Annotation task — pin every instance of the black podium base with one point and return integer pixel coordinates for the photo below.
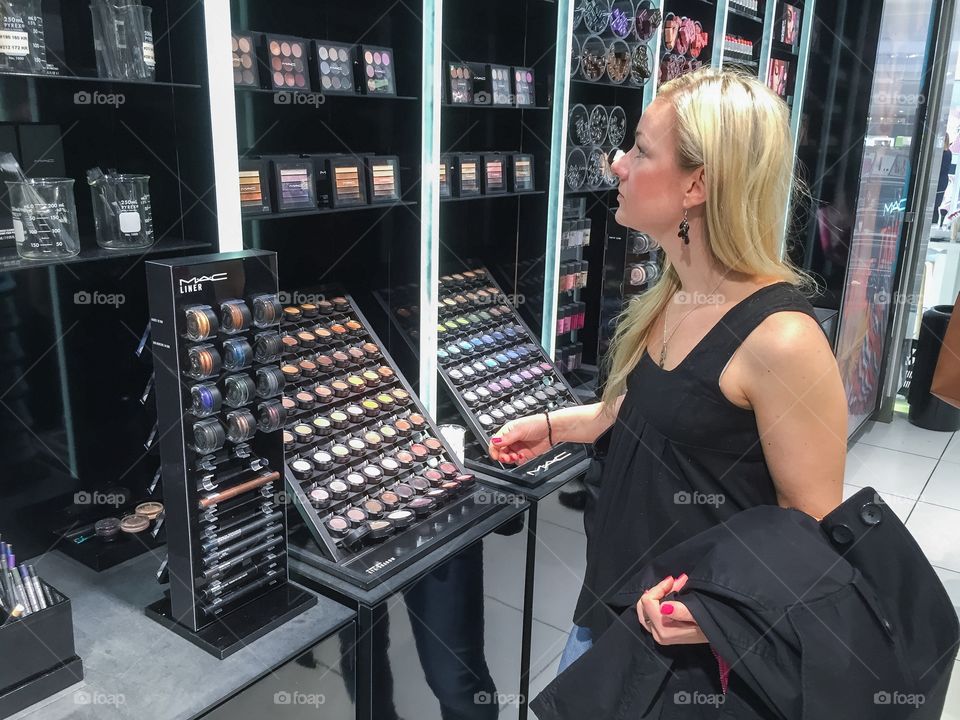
(235, 630)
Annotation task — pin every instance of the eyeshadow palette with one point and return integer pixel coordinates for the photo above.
(500, 87)
(521, 172)
(383, 178)
(372, 477)
(460, 82)
(523, 90)
(216, 340)
(334, 66)
(493, 369)
(246, 70)
(467, 175)
(446, 176)
(294, 185)
(347, 181)
(377, 64)
(494, 173)
(254, 187)
(286, 58)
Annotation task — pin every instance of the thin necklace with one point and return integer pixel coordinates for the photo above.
(666, 310)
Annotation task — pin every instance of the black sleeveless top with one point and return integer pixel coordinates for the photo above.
(682, 457)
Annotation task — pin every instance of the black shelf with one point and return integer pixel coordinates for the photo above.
(737, 61)
(326, 96)
(328, 211)
(9, 260)
(494, 195)
(745, 15)
(99, 80)
(495, 107)
(601, 83)
(783, 51)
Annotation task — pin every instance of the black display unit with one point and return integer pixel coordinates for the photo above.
(493, 370)
(375, 483)
(216, 345)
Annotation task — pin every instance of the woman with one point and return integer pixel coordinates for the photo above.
(723, 392)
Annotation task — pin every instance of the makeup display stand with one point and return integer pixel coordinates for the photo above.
(216, 346)
(493, 369)
(376, 484)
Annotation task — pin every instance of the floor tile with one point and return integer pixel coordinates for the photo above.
(937, 530)
(900, 505)
(901, 435)
(553, 512)
(888, 471)
(952, 453)
(944, 486)
(561, 563)
(951, 581)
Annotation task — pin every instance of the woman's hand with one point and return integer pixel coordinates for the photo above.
(520, 440)
(670, 623)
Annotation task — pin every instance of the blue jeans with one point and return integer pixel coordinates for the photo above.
(578, 643)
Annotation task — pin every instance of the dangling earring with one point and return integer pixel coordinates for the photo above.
(684, 229)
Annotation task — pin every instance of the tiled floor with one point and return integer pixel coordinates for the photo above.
(916, 471)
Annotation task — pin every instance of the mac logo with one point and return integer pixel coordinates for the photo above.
(195, 284)
(544, 466)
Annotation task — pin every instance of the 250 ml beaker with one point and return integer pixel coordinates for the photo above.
(121, 211)
(44, 218)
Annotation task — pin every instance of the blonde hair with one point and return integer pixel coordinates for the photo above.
(738, 131)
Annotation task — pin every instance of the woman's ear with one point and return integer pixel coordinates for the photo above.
(696, 193)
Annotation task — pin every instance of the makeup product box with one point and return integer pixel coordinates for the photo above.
(246, 65)
(254, 186)
(41, 150)
(523, 86)
(377, 70)
(334, 67)
(293, 184)
(500, 85)
(285, 58)
(321, 176)
(481, 87)
(383, 178)
(466, 175)
(347, 179)
(446, 176)
(40, 658)
(460, 83)
(521, 172)
(494, 173)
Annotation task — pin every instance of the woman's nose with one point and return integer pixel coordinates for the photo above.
(618, 165)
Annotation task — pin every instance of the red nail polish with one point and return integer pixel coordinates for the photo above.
(666, 609)
(497, 441)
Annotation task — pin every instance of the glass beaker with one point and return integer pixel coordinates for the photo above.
(137, 20)
(44, 218)
(121, 211)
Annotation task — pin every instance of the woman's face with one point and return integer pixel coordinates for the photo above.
(652, 183)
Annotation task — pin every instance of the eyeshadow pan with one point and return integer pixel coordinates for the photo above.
(295, 188)
(383, 176)
(333, 65)
(244, 61)
(494, 177)
(347, 183)
(287, 59)
(377, 66)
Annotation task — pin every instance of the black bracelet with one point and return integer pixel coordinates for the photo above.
(549, 429)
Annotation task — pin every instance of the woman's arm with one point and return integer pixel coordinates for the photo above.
(791, 380)
(525, 438)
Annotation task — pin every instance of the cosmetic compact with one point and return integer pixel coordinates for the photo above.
(500, 85)
(467, 175)
(107, 529)
(334, 67)
(377, 73)
(494, 173)
(347, 181)
(254, 187)
(460, 83)
(523, 89)
(446, 175)
(246, 69)
(293, 185)
(286, 62)
(521, 172)
(383, 178)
